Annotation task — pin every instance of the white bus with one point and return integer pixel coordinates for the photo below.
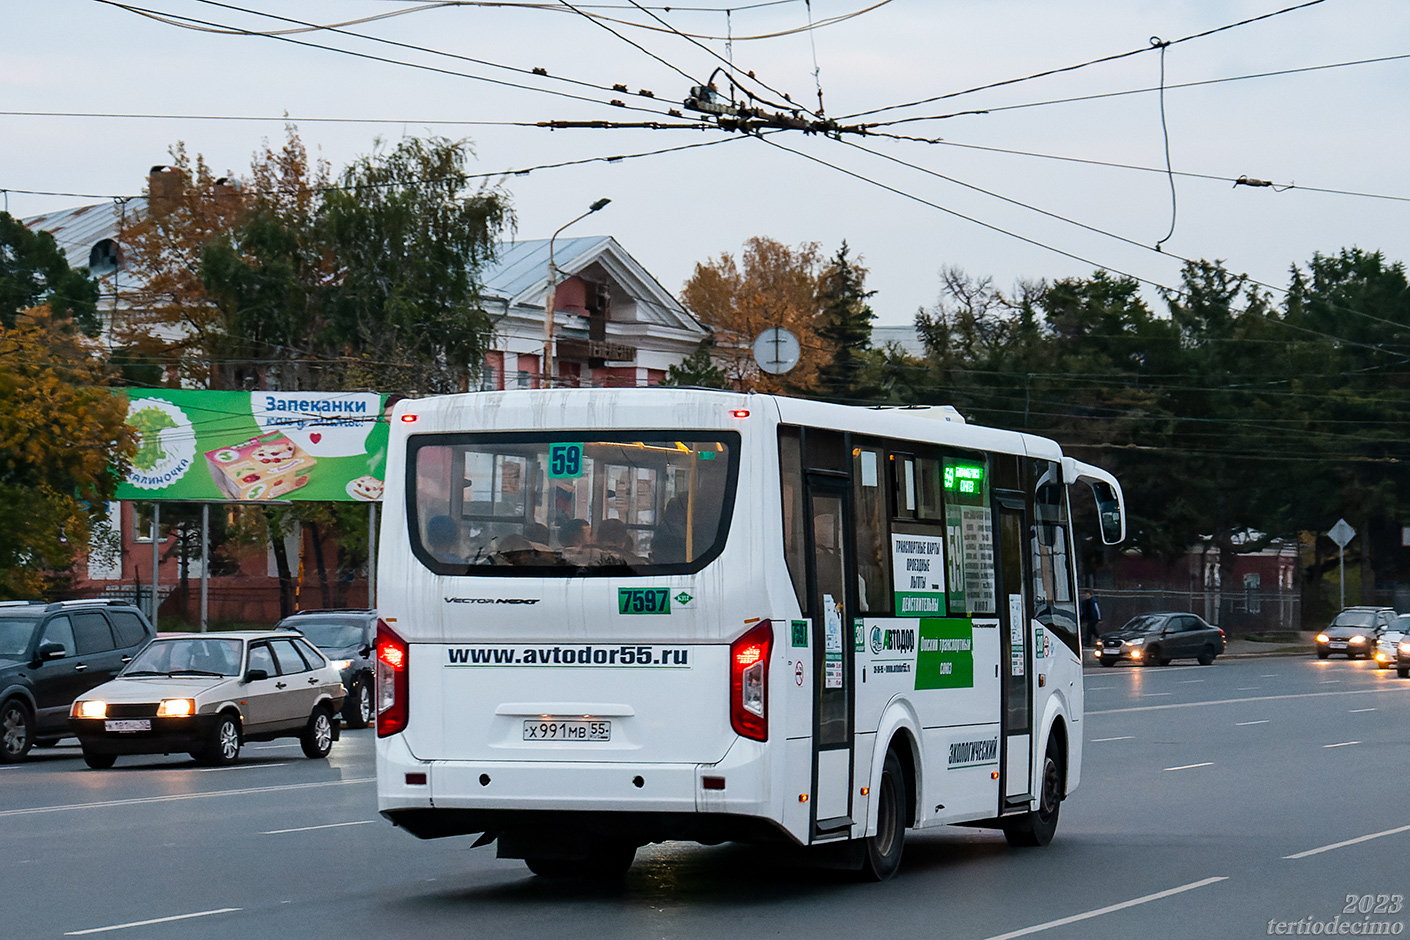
(612, 617)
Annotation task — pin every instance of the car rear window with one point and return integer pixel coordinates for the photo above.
(290, 659)
(130, 629)
(315, 659)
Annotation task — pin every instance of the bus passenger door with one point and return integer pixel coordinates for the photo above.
(1016, 656)
(832, 655)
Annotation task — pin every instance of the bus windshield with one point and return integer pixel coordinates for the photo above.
(560, 504)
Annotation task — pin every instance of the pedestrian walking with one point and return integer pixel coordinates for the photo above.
(1091, 616)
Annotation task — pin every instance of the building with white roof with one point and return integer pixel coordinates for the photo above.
(614, 323)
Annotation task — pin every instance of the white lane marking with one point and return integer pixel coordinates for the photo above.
(1270, 675)
(1342, 845)
(1331, 681)
(156, 920)
(1190, 681)
(1208, 763)
(1248, 688)
(211, 770)
(269, 747)
(1075, 918)
(1124, 737)
(280, 832)
(1357, 711)
(1342, 744)
(1155, 694)
(103, 804)
(1251, 698)
(1261, 721)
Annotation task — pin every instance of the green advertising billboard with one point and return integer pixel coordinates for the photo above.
(256, 446)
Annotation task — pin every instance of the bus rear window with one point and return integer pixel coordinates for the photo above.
(570, 503)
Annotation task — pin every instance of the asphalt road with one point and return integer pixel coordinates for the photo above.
(1218, 802)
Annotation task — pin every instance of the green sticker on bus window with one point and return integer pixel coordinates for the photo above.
(800, 633)
(707, 455)
(565, 461)
(643, 601)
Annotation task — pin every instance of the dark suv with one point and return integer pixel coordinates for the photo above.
(346, 637)
(50, 654)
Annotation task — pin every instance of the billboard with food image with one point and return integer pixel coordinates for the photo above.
(256, 446)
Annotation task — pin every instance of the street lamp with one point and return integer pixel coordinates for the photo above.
(552, 300)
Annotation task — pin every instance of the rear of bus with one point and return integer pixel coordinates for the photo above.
(572, 654)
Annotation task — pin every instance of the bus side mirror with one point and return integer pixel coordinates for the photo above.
(1111, 509)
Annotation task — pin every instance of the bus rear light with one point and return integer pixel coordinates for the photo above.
(740, 413)
(748, 682)
(409, 419)
(393, 681)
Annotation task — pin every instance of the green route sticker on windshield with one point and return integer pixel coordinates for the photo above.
(644, 600)
(565, 461)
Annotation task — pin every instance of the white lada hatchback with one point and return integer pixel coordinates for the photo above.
(207, 694)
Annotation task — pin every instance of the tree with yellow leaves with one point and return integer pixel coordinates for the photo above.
(64, 445)
(775, 285)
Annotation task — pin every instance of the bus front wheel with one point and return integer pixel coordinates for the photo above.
(883, 850)
(1038, 826)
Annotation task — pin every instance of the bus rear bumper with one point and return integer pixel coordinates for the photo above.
(727, 801)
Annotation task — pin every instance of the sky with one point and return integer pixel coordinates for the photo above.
(992, 197)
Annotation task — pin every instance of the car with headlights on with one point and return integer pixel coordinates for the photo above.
(1354, 632)
(1156, 638)
(1388, 643)
(208, 694)
(52, 653)
(346, 638)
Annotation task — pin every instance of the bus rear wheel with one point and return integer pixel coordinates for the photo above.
(883, 850)
(1038, 826)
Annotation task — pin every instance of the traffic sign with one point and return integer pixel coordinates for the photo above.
(1342, 533)
(776, 350)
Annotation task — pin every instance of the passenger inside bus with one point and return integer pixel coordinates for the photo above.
(573, 536)
(668, 545)
(614, 544)
(443, 540)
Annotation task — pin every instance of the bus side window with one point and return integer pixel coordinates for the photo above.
(1053, 597)
(969, 534)
(873, 553)
(790, 462)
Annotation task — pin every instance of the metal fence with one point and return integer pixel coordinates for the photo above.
(1238, 613)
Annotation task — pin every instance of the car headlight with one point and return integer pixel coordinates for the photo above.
(1357, 639)
(1405, 648)
(340, 664)
(1138, 641)
(1323, 638)
(176, 708)
(89, 709)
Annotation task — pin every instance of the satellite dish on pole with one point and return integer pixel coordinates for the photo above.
(776, 350)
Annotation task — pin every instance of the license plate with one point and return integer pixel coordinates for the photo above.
(568, 729)
(128, 724)
(1337, 645)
